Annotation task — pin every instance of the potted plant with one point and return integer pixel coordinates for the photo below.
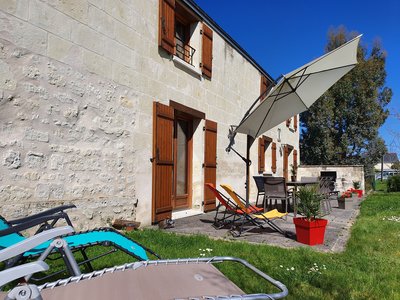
(342, 199)
(293, 172)
(310, 229)
(356, 189)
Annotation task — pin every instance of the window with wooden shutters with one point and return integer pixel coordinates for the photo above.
(261, 155)
(263, 144)
(210, 163)
(286, 162)
(273, 162)
(264, 86)
(295, 122)
(163, 161)
(166, 30)
(206, 60)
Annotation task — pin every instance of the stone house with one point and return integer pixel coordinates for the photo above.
(123, 108)
(388, 160)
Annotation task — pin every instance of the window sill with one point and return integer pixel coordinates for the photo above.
(186, 66)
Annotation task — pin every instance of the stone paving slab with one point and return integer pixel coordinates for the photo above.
(336, 235)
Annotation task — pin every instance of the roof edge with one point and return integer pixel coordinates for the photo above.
(210, 22)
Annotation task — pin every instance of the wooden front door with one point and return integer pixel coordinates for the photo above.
(163, 161)
(210, 163)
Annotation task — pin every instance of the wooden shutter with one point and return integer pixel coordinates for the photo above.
(286, 162)
(263, 86)
(163, 161)
(288, 123)
(206, 65)
(210, 163)
(295, 159)
(273, 163)
(261, 155)
(295, 122)
(166, 28)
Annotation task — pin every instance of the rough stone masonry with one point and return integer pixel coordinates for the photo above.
(66, 136)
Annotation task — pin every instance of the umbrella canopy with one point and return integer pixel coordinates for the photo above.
(296, 91)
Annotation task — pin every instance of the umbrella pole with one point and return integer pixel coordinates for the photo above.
(250, 141)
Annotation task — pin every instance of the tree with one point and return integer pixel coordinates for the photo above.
(342, 126)
(396, 165)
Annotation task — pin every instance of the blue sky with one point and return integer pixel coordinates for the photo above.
(283, 35)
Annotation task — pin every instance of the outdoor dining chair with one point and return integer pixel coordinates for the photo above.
(309, 179)
(188, 278)
(276, 190)
(259, 180)
(326, 189)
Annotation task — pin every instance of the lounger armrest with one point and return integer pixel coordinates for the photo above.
(33, 242)
(51, 211)
(14, 273)
(32, 223)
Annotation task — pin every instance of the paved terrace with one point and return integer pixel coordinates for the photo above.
(336, 235)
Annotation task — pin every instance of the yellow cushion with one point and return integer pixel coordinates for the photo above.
(272, 214)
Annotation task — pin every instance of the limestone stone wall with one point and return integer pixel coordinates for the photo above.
(77, 83)
(346, 175)
(66, 136)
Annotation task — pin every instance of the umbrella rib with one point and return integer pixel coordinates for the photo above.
(259, 128)
(298, 96)
(301, 76)
(325, 70)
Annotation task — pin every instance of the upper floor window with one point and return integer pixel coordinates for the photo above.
(184, 29)
(183, 35)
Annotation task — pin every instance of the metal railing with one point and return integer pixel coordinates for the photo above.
(184, 52)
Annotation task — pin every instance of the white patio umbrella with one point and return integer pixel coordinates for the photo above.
(294, 93)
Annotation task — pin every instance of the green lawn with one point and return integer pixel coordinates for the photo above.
(368, 269)
(381, 186)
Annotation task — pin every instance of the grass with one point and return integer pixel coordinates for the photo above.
(381, 186)
(369, 268)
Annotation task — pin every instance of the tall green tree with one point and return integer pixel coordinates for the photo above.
(342, 126)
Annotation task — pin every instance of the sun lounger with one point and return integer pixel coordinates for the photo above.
(78, 241)
(241, 221)
(195, 278)
(239, 200)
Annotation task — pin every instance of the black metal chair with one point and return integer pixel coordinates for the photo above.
(260, 187)
(326, 189)
(307, 179)
(275, 189)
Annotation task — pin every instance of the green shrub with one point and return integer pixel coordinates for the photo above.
(309, 204)
(393, 184)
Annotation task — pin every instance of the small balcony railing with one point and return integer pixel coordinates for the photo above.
(183, 51)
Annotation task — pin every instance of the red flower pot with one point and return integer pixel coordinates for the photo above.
(310, 232)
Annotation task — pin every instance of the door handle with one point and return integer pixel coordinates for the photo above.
(156, 158)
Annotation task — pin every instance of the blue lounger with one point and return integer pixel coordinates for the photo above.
(78, 241)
